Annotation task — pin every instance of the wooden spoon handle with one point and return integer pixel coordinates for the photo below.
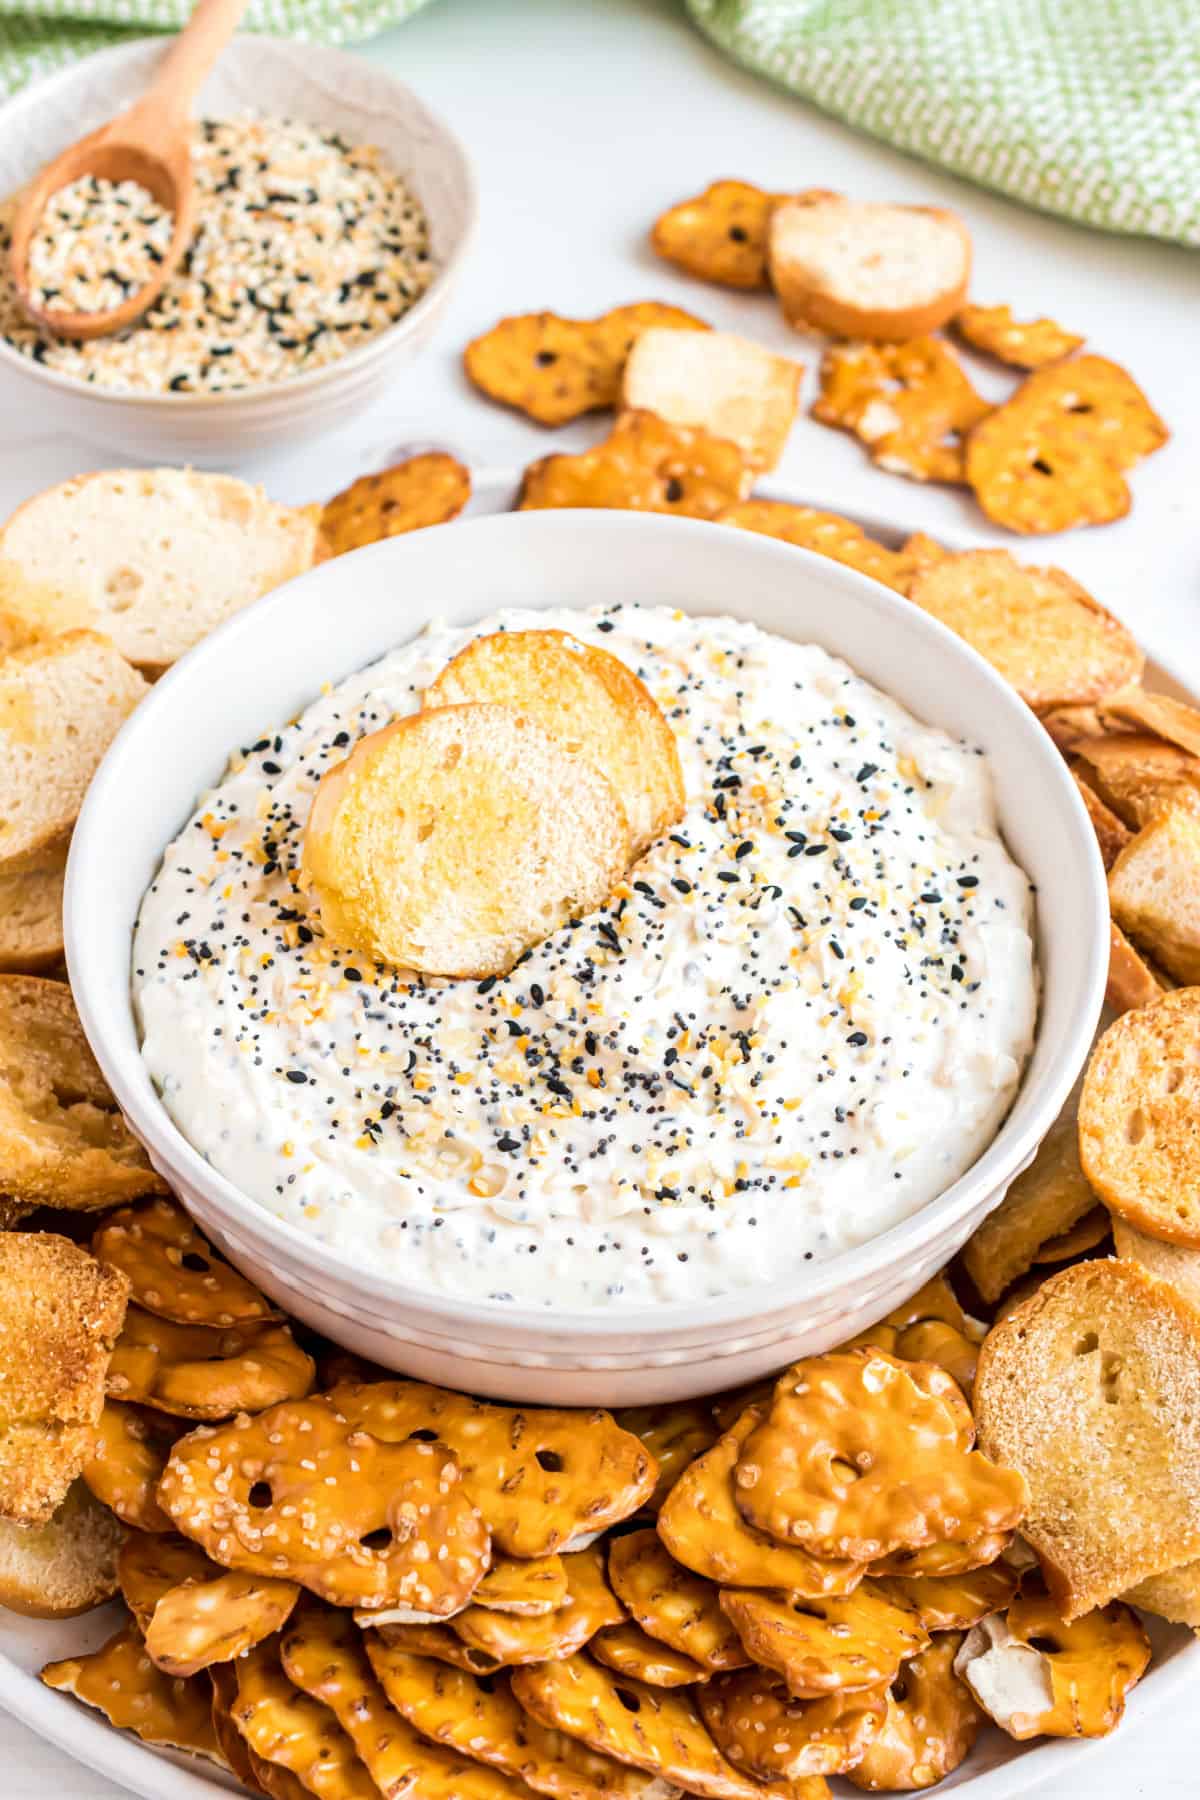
(188, 61)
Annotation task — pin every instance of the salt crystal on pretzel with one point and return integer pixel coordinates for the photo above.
(285, 1727)
(672, 1603)
(655, 1729)
(628, 1650)
(1037, 1676)
(206, 1622)
(150, 1565)
(482, 1720)
(544, 1479)
(510, 1638)
(298, 1492)
(120, 1681)
(930, 1727)
(198, 1373)
(702, 1528)
(128, 1457)
(825, 1646)
(173, 1271)
(527, 1588)
(765, 1730)
(324, 1656)
(862, 1455)
(675, 1434)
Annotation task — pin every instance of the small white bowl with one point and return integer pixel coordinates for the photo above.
(260, 75)
(269, 660)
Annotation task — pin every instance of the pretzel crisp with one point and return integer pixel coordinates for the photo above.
(326, 1659)
(426, 490)
(554, 369)
(1031, 344)
(672, 1603)
(952, 1557)
(911, 404)
(298, 1491)
(953, 1602)
(196, 1373)
(128, 1457)
(527, 1589)
(862, 1455)
(929, 1327)
(629, 1650)
(644, 465)
(120, 1681)
(1037, 1676)
(931, 1724)
(769, 1733)
(543, 1479)
(675, 1435)
(481, 1720)
(437, 1642)
(511, 1638)
(702, 1528)
(174, 1272)
(284, 1727)
(826, 533)
(208, 1622)
(230, 1742)
(719, 235)
(826, 1646)
(1052, 457)
(150, 1566)
(653, 1728)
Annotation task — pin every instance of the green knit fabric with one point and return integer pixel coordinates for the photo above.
(1086, 108)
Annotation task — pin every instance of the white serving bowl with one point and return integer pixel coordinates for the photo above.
(269, 660)
(262, 75)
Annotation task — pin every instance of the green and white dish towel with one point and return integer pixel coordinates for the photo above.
(1085, 108)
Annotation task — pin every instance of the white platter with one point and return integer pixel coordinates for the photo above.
(998, 1769)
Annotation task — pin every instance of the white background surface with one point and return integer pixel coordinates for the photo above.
(587, 119)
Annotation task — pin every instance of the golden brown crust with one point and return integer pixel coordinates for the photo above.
(1043, 1201)
(1139, 776)
(1131, 980)
(1153, 889)
(807, 300)
(65, 1567)
(60, 1313)
(1111, 835)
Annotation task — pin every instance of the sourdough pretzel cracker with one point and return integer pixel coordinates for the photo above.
(149, 1566)
(930, 1726)
(120, 1681)
(327, 1659)
(1036, 1676)
(826, 1646)
(197, 1373)
(230, 1742)
(911, 404)
(861, 1455)
(482, 1720)
(555, 369)
(765, 1730)
(674, 1434)
(284, 1727)
(644, 465)
(1053, 456)
(510, 1638)
(174, 1272)
(952, 1602)
(950, 1557)
(1023, 344)
(437, 1642)
(702, 1528)
(426, 490)
(206, 1622)
(719, 235)
(128, 1457)
(672, 1603)
(628, 1650)
(528, 1589)
(655, 1729)
(543, 1478)
(298, 1491)
(826, 533)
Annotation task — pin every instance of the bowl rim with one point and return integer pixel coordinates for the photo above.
(312, 380)
(1004, 1157)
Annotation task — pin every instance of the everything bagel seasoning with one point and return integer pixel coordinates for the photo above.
(305, 247)
(802, 1015)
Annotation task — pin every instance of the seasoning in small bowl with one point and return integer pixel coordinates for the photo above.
(306, 246)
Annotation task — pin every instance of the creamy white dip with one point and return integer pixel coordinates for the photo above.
(802, 1017)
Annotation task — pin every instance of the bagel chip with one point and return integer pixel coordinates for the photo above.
(456, 838)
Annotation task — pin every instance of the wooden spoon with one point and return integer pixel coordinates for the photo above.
(149, 144)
